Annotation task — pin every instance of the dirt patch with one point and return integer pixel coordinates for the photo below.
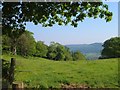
(74, 86)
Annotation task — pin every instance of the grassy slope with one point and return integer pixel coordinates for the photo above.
(39, 72)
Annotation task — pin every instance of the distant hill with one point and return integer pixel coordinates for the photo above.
(91, 51)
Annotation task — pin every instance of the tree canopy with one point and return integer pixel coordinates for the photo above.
(41, 49)
(111, 48)
(78, 56)
(57, 51)
(16, 14)
(26, 44)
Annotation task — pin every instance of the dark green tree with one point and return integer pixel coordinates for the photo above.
(6, 44)
(60, 55)
(57, 51)
(68, 54)
(41, 49)
(111, 48)
(10, 41)
(52, 51)
(26, 44)
(78, 56)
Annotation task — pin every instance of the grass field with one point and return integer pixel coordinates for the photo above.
(43, 73)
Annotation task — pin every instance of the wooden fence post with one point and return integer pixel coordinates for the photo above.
(12, 69)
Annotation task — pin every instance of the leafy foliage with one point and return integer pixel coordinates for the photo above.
(68, 54)
(26, 44)
(111, 48)
(56, 51)
(41, 49)
(15, 15)
(6, 44)
(78, 56)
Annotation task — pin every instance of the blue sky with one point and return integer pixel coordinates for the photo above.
(89, 31)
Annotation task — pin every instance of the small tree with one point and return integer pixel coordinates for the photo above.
(68, 54)
(52, 51)
(78, 56)
(111, 48)
(41, 49)
(60, 55)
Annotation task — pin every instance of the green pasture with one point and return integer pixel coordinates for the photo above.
(43, 73)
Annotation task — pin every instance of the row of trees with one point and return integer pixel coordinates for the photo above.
(14, 19)
(26, 45)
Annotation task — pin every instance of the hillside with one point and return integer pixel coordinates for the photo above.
(43, 73)
(91, 51)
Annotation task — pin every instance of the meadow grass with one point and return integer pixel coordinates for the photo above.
(44, 73)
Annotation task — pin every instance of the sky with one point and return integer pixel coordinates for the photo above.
(89, 31)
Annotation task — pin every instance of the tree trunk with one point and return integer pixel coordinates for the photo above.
(14, 50)
(14, 46)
